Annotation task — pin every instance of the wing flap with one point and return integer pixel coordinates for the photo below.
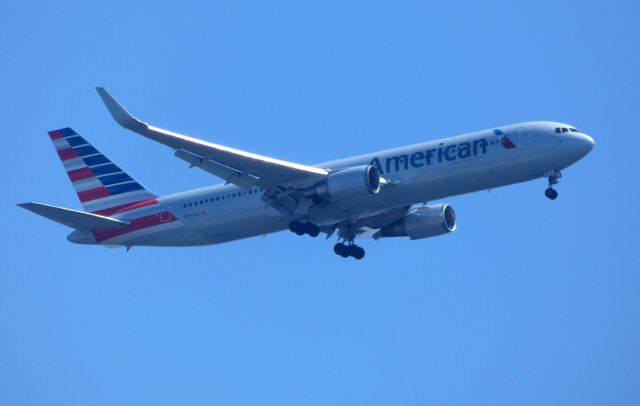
(229, 175)
(79, 220)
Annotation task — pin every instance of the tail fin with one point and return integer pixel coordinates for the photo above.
(102, 187)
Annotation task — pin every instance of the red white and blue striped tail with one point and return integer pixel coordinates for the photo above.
(103, 188)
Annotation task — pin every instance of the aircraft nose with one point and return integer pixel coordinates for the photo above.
(578, 143)
(586, 143)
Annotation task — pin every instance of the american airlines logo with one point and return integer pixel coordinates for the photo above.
(432, 156)
(451, 152)
(507, 143)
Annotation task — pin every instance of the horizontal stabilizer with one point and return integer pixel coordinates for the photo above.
(73, 218)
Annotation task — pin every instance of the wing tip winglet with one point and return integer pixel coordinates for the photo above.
(119, 113)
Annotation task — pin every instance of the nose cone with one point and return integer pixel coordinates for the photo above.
(577, 144)
(585, 143)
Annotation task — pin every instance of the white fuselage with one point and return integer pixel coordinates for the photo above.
(418, 173)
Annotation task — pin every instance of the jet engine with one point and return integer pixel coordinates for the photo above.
(349, 183)
(422, 222)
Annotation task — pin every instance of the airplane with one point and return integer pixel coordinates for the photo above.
(381, 195)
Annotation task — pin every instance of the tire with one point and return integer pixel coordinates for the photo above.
(295, 227)
(357, 252)
(312, 229)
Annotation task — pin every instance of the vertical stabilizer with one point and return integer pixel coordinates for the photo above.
(102, 187)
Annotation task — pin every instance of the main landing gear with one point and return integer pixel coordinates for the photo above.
(344, 249)
(554, 178)
(347, 233)
(348, 250)
(301, 228)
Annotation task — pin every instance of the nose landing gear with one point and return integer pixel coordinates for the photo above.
(553, 179)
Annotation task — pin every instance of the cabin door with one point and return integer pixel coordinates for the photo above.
(525, 138)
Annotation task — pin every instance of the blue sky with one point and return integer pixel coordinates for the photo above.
(529, 302)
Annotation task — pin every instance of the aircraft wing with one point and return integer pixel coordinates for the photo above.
(242, 168)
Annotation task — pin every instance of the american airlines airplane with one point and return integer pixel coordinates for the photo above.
(382, 194)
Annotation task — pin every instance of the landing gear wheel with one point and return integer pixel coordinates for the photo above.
(312, 229)
(304, 228)
(553, 179)
(348, 250)
(341, 249)
(347, 235)
(551, 193)
(357, 252)
(296, 227)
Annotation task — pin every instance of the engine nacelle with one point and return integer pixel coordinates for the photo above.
(350, 183)
(422, 222)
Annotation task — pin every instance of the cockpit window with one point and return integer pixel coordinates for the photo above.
(566, 130)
